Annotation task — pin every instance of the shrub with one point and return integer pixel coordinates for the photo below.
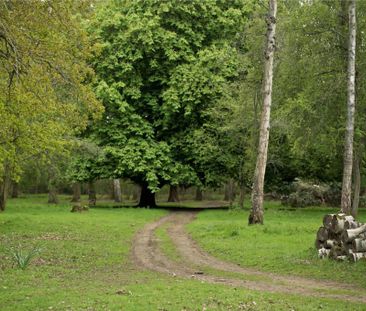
(309, 194)
(22, 258)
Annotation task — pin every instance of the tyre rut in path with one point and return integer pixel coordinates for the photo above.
(147, 254)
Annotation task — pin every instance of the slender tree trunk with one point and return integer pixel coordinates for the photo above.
(256, 215)
(173, 194)
(117, 191)
(147, 198)
(52, 189)
(241, 196)
(227, 194)
(348, 145)
(92, 193)
(76, 192)
(182, 192)
(357, 186)
(15, 190)
(199, 194)
(230, 191)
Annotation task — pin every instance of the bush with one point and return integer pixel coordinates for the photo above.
(333, 194)
(309, 194)
(22, 258)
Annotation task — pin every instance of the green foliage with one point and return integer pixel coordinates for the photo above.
(160, 66)
(307, 193)
(45, 92)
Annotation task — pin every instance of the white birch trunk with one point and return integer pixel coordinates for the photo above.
(256, 215)
(348, 146)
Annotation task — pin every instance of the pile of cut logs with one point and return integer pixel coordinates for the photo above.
(341, 237)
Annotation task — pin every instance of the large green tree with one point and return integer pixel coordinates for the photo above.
(44, 94)
(161, 65)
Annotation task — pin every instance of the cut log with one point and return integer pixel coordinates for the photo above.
(351, 224)
(323, 253)
(337, 223)
(358, 256)
(337, 251)
(322, 234)
(351, 234)
(346, 239)
(331, 243)
(327, 221)
(359, 245)
(348, 247)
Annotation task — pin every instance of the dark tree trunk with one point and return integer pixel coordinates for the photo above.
(227, 192)
(117, 194)
(147, 198)
(199, 194)
(173, 194)
(92, 193)
(4, 188)
(15, 190)
(242, 197)
(182, 192)
(231, 191)
(76, 192)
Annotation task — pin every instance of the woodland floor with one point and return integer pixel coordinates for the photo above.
(153, 259)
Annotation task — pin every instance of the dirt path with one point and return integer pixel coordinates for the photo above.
(147, 254)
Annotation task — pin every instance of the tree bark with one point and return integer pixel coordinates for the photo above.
(52, 189)
(117, 191)
(348, 145)
(173, 194)
(15, 190)
(76, 192)
(92, 193)
(227, 192)
(199, 194)
(4, 188)
(242, 196)
(359, 245)
(357, 186)
(256, 215)
(230, 191)
(351, 234)
(147, 197)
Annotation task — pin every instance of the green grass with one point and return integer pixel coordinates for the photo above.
(85, 265)
(285, 244)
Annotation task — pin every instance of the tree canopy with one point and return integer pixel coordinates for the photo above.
(160, 66)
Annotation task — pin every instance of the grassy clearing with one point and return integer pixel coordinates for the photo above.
(285, 244)
(84, 265)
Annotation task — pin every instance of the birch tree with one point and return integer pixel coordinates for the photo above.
(256, 215)
(348, 145)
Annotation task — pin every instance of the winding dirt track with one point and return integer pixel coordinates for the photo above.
(147, 254)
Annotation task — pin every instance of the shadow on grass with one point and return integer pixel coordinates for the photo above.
(179, 206)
